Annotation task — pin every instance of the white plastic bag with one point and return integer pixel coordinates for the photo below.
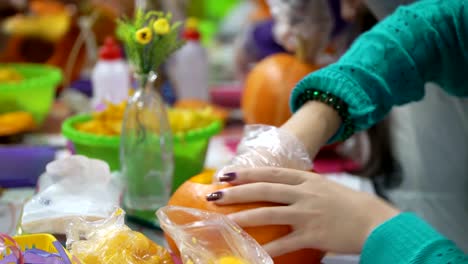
(71, 187)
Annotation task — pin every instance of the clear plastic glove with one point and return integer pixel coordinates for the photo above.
(302, 20)
(323, 214)
(268, 146)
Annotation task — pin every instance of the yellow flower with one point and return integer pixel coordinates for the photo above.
(161, 26)
(144, 35)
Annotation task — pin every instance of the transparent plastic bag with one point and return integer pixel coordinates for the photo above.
(111, 241)
(205, 237)
(71, 187)
(268, 146)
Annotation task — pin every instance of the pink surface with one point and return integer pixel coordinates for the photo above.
(176, 259)
(227, 95)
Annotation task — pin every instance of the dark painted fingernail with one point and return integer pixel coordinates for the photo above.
(227, 177)
(214, 196)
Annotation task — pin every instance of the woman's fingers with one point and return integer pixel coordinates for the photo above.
(264, 216)
(256, 192)
(286, 244)
(265, 174)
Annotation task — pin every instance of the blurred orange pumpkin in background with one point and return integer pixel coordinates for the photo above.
(46, 35)
(50, 33)
(268, 86)
(261, 12)
(192, 194)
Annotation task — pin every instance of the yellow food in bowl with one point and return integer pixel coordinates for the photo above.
(8, 75)
(109, 121)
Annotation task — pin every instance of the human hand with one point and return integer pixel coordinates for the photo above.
(323, 214)
(268, 146)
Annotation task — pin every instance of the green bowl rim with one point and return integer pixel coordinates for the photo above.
(76, 136)
(47, 75)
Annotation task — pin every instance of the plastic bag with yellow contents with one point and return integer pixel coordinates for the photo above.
(209, 238)
(111, 241)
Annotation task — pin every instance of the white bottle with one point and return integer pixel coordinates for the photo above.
(110, 77)
(189, 69)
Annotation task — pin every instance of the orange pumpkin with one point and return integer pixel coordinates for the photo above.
(261, 12)
(24, 48)
(192, 194)
(268, 86)
(32, 48)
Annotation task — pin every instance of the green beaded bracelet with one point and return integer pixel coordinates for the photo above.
(339, 105)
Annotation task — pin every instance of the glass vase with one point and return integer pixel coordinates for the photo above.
(146, 151)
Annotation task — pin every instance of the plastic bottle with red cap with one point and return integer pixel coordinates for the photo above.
(110, 77)
(189, 66)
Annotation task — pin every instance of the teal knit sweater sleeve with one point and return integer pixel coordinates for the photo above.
(406, 239)
(389, 65)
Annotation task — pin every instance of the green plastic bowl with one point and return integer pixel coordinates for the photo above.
(34, 94)
(189, 148)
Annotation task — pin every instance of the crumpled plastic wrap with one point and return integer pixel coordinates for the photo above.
(268, 146)
(209, 238)
(72, 187)
(307, 21)
(111, 241)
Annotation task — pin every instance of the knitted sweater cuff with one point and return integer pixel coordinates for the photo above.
(402, 239)
(341, 85)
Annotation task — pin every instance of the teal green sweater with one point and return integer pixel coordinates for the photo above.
(406, 239)
(388, 66)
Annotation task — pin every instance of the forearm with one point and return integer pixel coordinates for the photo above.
(314, 124)
(390, 64)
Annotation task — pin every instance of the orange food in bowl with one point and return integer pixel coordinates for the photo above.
(15, 122)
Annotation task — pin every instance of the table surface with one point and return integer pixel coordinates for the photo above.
(220, 151)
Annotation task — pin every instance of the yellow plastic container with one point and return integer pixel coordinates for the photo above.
(38, 241)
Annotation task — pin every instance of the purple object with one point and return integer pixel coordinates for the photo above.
(62, 252)
(84, 86)
(340, 24)
(71, 147)
(176, 259)
(262, 42)
(9, 259)
(21, 166)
